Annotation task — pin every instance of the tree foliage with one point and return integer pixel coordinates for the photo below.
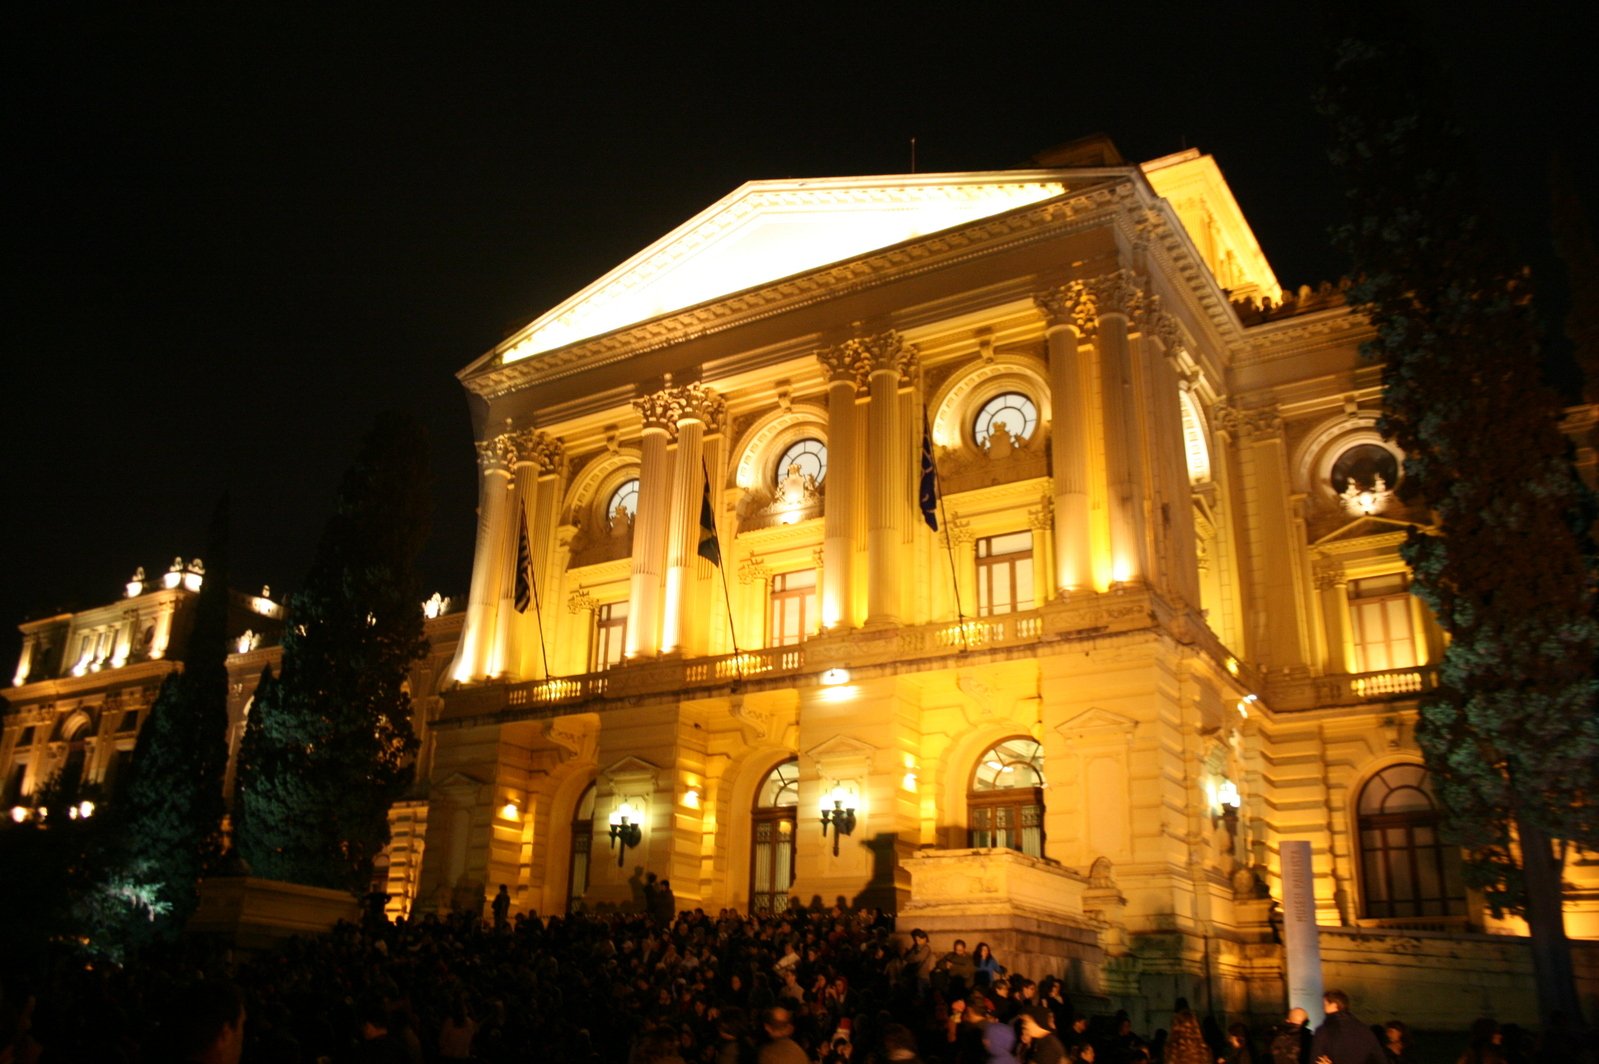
(1511, 734)
(168, 819)
(329, 742)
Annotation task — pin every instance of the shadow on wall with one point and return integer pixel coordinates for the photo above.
(880, 891)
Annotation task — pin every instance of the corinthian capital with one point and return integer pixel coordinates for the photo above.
(1117, 292)
(497, 454)
(677, 403)
(882, 352)
(1071, 305)
(845, 362)
(542, 450)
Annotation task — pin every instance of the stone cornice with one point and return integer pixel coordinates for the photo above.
(1042, 221)
(1290, 337)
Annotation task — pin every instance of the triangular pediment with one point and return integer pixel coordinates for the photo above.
(1096, 720)
(1361, 531)
(768, 230)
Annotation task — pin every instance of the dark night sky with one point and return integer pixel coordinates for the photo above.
(234, 235)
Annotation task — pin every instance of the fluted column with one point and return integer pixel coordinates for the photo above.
(650, 524)
(477, 633)
(697, 410)
(888, 473)
(540, 464)
(1115, 297)
(1068, 312)
(845, 369)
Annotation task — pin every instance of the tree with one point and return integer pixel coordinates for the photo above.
(168, 820)
(328, 746)
(1511, 735)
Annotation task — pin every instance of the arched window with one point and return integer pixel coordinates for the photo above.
(623, 500)
(1406, 870)
(1005, 806)
(772, 838)
(582, 839)
(1012, 410)
(809, 454)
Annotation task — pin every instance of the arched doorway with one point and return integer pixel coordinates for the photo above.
(772, 838)
(1406, 869)
(577, 875)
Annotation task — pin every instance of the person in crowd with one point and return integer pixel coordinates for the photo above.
(1040, 1044)
(985, 967)
(957, 968)
(1396, 1041)
(1236, 1050)
(1290, 1040)
(205, 1024)
(779, 1046)
(1342, 1039)
(1486, 1045)
(1185, 1044)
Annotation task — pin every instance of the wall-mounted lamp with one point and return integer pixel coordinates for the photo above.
(625, 830)
(840, 818)
(1227, 802)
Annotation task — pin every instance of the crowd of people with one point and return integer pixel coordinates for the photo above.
(806, 986)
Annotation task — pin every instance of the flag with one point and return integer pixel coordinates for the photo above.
(524, 568)
(928, 495)
(709, 548)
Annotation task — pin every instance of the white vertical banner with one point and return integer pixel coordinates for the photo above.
(1301, 947)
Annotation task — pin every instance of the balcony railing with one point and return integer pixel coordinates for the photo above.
(1310, 692)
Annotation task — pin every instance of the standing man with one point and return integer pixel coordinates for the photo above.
(1290, 1040)
(1343, 1039)
(502, 909)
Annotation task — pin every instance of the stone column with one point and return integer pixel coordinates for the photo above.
(1333, 583)
(888, 474)
(1115, 298)
(696, 410)
(650, 524)
(1068, 312)
(540, 465)
(845, 368)
(482, 604)
(1163, 345)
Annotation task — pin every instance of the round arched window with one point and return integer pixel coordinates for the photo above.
(772, 838)
(1010, 412)
(1005, 806)
(1406, 867)
(805, 458)
(623, 500)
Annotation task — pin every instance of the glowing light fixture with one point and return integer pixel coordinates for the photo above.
(691, 798)
(839, 817)
(509, 811)
(1244, 703)
(19, 813)
(834, 677)
(625, 830)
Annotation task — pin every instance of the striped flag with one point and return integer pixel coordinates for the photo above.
(927, 497)
(524, 568)
(710, 549)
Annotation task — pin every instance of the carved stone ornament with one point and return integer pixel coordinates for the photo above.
(677, 403)
(1246, 423)
(845, 362)
(520, 446)
(580, 601)
(752, 569)
(1070, 304)
(1117, 292)
(1330, 576)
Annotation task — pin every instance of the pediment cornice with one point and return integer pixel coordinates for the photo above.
(490, 377)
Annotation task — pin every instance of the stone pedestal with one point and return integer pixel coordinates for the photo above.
(1028, 910)
(257, 914)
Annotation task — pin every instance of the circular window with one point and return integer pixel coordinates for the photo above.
(807, 458)
(623, 500)
(1363, 478)
(1010, 412)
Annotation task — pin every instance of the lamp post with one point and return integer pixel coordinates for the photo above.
(625, 830)
(839, 817)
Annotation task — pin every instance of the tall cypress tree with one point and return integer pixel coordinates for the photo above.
(1511, 735)
(169, 818)
(329, 741)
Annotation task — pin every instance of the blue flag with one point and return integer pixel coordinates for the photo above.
(927, 497)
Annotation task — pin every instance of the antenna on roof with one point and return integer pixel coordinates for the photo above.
(913, 155)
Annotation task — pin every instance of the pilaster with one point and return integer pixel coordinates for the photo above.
(1068, 313)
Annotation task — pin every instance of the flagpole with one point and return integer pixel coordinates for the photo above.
(524, 570)
(727, 597)
(538, 618)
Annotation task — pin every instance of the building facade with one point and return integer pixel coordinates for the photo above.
(1161, 628)
(1153, 626)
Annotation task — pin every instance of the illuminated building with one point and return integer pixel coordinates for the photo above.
(1163, 627)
